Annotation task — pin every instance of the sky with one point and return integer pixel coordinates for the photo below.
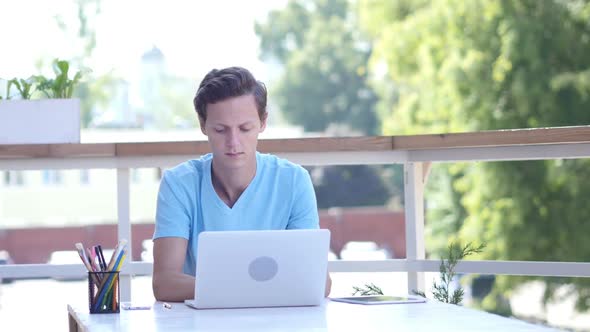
(195, 36)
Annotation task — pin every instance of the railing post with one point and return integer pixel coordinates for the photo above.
(414, 219)
(124, 227)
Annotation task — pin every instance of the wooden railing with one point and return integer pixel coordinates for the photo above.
(415, 152)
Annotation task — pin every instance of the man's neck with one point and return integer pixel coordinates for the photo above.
(229, 184)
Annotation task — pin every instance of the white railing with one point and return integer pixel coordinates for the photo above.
(416, 153)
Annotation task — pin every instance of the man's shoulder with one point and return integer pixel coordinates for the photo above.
(278, 164)
(193, 168)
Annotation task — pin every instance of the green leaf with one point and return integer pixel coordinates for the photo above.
(60, 86)
(419, 293)
(9, 84)
(368, 289)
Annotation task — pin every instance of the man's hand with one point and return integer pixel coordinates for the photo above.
(328, 285)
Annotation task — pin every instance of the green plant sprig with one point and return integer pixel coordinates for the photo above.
(61, 86)
(8, 88)
(368, 289)
(455, 253)
(441, 292)
(24, 86)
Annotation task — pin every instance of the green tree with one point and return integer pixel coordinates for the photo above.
(478, 65)
(324, 80)
(324, 86)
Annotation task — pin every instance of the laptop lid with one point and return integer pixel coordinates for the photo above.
(237, 269)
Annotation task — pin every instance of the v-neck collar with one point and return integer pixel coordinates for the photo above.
(218, 201)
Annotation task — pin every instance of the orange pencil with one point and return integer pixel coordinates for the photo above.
(114, 305)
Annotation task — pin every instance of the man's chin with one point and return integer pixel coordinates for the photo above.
(229, 161)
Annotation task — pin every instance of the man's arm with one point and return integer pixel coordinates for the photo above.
(304, 210)
(169, 283)
(304, 214)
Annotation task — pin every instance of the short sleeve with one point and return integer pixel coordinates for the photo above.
(304, 211)
(172, 214)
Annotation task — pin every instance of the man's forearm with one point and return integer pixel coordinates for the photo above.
(328, 285)
(173, 287)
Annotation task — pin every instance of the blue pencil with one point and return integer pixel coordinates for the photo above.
(104, 286)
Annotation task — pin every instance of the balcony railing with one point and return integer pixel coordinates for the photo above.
(415, 152)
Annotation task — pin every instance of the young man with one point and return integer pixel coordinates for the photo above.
(233, 188)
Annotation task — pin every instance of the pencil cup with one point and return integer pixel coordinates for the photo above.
(103, 292)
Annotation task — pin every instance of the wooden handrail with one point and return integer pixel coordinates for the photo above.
(532, 136)
(513, 137)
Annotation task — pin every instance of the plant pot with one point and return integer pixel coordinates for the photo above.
(41, 121)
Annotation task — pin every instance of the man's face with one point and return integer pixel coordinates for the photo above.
(232, 127)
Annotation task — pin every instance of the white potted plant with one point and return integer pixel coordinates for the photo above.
(55, 118)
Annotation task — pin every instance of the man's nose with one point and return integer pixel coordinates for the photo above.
(233, 139)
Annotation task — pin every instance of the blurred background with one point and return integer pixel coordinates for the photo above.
(333, 68)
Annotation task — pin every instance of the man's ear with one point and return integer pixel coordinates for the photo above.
(263, 122)
(202, 124)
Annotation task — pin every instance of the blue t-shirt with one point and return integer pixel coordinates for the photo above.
(280, 196)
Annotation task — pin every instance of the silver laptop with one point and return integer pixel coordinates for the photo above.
(246, 269)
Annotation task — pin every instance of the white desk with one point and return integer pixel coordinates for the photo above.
(332, 316)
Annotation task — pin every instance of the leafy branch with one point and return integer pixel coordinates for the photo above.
(455, 253)
(368, 289)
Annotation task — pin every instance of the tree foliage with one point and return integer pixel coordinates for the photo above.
(323, 57)
(478, 65)
(323, 86)
(355, 185)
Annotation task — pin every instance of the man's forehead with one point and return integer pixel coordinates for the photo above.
(233, 111)
(247, 99)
